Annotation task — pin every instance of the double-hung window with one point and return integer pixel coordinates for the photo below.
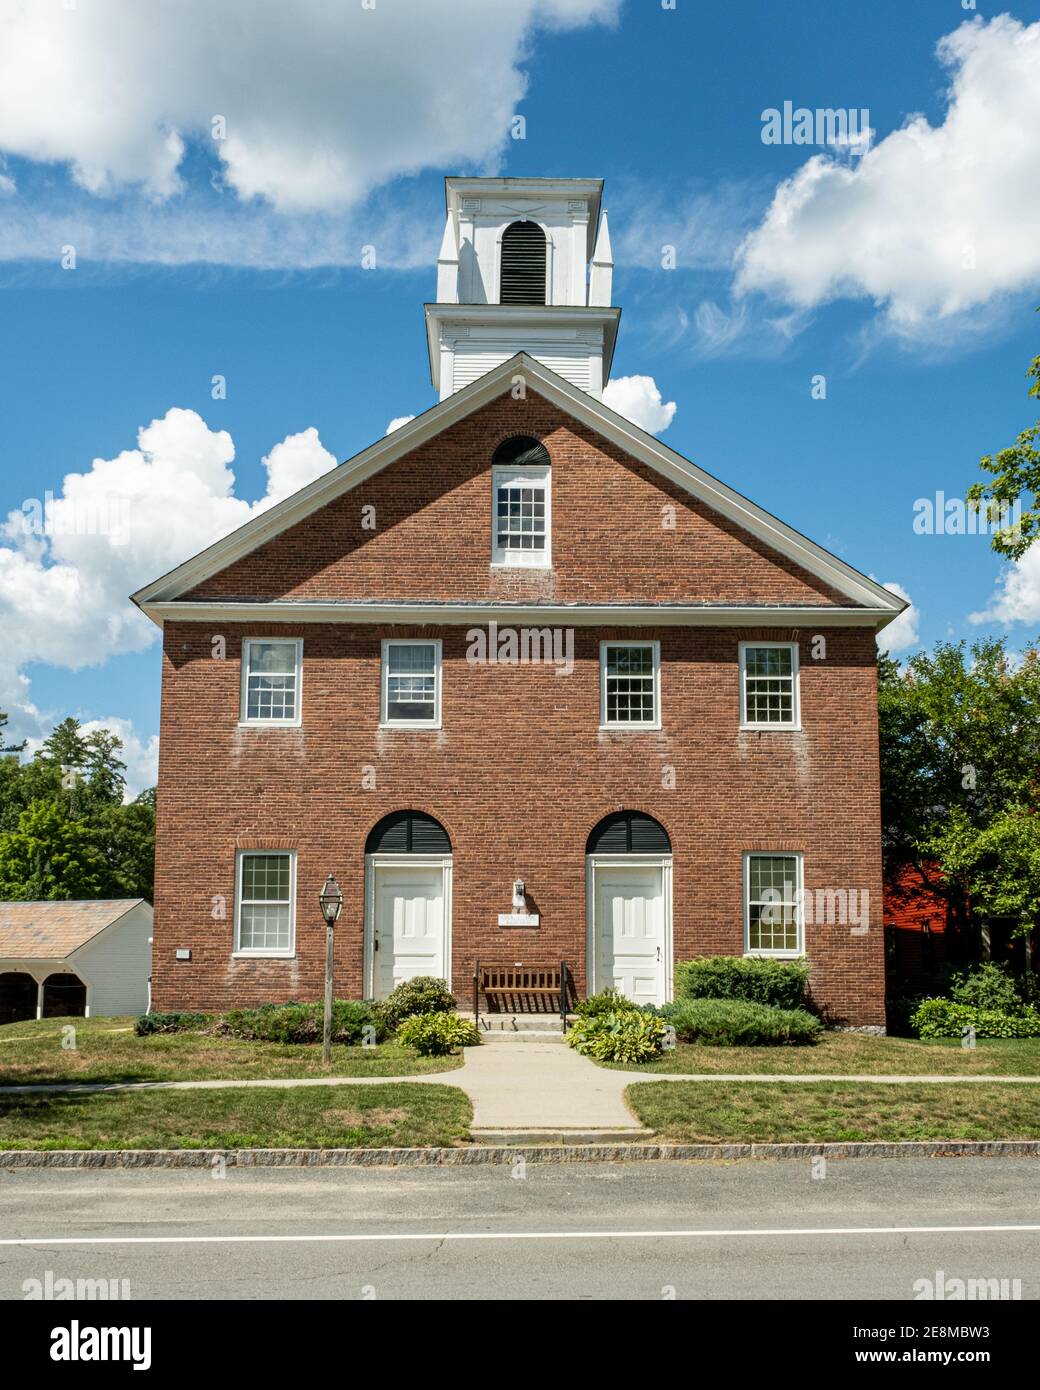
(265, 917)
(630, 685)
(521, 519)
(769, 685)
(272, 679)
(773, 904)
(411, 684)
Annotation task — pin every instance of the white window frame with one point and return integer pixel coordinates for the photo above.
(243, 715)
(249, 952)
(799, 948)
(795, 722)
(538, 476)
(628, 726)
(385, 722)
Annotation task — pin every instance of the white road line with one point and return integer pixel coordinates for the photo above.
(367, 1238)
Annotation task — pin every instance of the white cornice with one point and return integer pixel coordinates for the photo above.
(566, 615)
(592, 413)
(510, 189)
(552, 316)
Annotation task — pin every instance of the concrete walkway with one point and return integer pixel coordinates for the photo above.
(523, 1084)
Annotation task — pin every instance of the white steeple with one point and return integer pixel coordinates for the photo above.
(512, 276)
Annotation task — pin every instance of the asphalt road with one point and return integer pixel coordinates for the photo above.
(703, 1230)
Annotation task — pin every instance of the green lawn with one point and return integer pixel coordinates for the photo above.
(328, 1117)
(748, 1111)
(858, 1054)
(107, 1049)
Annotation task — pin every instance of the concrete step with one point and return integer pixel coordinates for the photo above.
(507, 1038)
(550, 1135)
(514, 1024)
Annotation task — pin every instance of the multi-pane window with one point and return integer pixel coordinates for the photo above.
(266, 898)
(271, 673)
(772, 887)
(521, 519)
(411, 683)
(629, 684)
(769, 684)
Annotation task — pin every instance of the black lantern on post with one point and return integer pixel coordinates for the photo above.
(331, 901)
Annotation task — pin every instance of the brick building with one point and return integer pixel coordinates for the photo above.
(531, 684)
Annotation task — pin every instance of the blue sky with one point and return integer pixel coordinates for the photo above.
(910, 286)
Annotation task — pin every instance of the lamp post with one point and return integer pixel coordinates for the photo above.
(331, 900)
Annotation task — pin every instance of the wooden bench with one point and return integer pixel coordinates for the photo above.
(510, 986)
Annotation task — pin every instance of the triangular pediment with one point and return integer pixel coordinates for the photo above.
(753, 536)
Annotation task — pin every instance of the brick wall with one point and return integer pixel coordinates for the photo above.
(433, 532)
(519, 774)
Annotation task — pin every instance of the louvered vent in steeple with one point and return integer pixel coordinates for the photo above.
(523, 264)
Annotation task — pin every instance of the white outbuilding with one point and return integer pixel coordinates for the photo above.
(78, 959)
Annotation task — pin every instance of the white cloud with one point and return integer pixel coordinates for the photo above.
(397, 422)
(195, 230)
(292, 464)
(1016, 599)
(67, 567)
(322, 102)
(902, 633)
(683, 229)
(932, 221)
(638, 398)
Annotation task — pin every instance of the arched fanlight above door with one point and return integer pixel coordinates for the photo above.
(628, 832)
(408, 832)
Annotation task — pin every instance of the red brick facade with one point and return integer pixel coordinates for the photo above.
(519, 772)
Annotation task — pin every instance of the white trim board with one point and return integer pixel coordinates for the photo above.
(586, 410)
(576, 614)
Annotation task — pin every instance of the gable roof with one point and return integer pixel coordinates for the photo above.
(862, 592)
(53, 930)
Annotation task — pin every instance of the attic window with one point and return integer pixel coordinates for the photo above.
(523, 264)
(521, 473)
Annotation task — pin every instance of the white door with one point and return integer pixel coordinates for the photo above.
(409, 929)
(629, 929)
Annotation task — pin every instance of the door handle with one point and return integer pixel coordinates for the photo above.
(658, 953)
(375, 947)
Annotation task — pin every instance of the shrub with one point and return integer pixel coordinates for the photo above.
(437, 1034)
(740, 1023)
(171, 1023)
(988, 986)
(629, 1035)
(304, 1023)
(945, 1018)
(758, 979)
(607, 1001)
(423, 995)
(611, 1001)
